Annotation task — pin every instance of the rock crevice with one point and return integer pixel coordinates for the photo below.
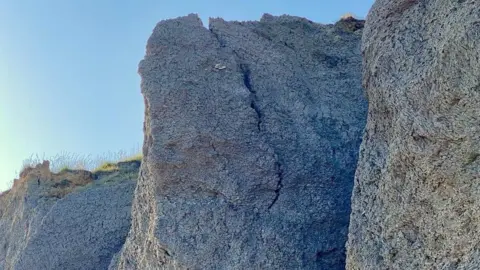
(247, 82)
(279, 183)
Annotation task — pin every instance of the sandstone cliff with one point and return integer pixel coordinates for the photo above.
(69, 220)
(416, 198)
(252, 132)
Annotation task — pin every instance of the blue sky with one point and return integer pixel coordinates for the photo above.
(68, 69)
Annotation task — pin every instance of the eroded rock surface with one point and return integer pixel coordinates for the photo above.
(69, 220)
(416, 199)
(252, 132)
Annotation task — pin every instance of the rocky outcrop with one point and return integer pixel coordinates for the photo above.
(69, 220)
(252, 132)
(416, 199)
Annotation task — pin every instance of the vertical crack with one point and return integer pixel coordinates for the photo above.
(246, 77)
(279, 170)
(220, 41)
(247, 81)
(253, 94)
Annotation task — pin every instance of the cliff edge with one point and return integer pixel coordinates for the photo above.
(73, 219)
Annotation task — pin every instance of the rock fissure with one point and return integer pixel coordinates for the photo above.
(247, 82)
(220, 42)
(279, 172)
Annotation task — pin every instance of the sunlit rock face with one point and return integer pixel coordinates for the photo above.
(252, 132)
(73, 219)
(416, 198)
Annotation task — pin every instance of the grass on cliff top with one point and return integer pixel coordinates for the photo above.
(66, 161)
(111, 166)
(69, 161)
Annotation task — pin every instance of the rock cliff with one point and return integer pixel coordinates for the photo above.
(252, 131)
(69, 220)
(416, 199)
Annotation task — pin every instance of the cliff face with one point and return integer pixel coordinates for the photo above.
(69, 220)
(251, 138)
(416, 199)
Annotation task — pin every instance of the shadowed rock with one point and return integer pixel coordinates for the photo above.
(416, 199)
(251, 137)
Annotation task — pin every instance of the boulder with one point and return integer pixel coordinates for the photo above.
(416, 199)
(251, 133)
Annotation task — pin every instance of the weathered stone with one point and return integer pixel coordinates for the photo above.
(65, 220)
(416, 201)
(252, 132)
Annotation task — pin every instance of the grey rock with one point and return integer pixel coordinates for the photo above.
(252, 132)
(83, 239)
(127, 166)
(83, 229)
(416, 199)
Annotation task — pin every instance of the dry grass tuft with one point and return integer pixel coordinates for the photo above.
(69, 161)
(106, 167)
(347, 16)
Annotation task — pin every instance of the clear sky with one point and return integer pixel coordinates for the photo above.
(68, 68)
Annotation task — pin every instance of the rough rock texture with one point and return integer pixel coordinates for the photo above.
(252, 132)
(416, 201)
(69, 220)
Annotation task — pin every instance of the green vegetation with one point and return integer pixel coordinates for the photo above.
(112, 166)
(107, 167)
(64, 169)
(113, 176)
(137, 157)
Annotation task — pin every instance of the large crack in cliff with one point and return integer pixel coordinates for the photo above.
(254, 104)
(245, 70)
(279, 169)
(254, 101)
